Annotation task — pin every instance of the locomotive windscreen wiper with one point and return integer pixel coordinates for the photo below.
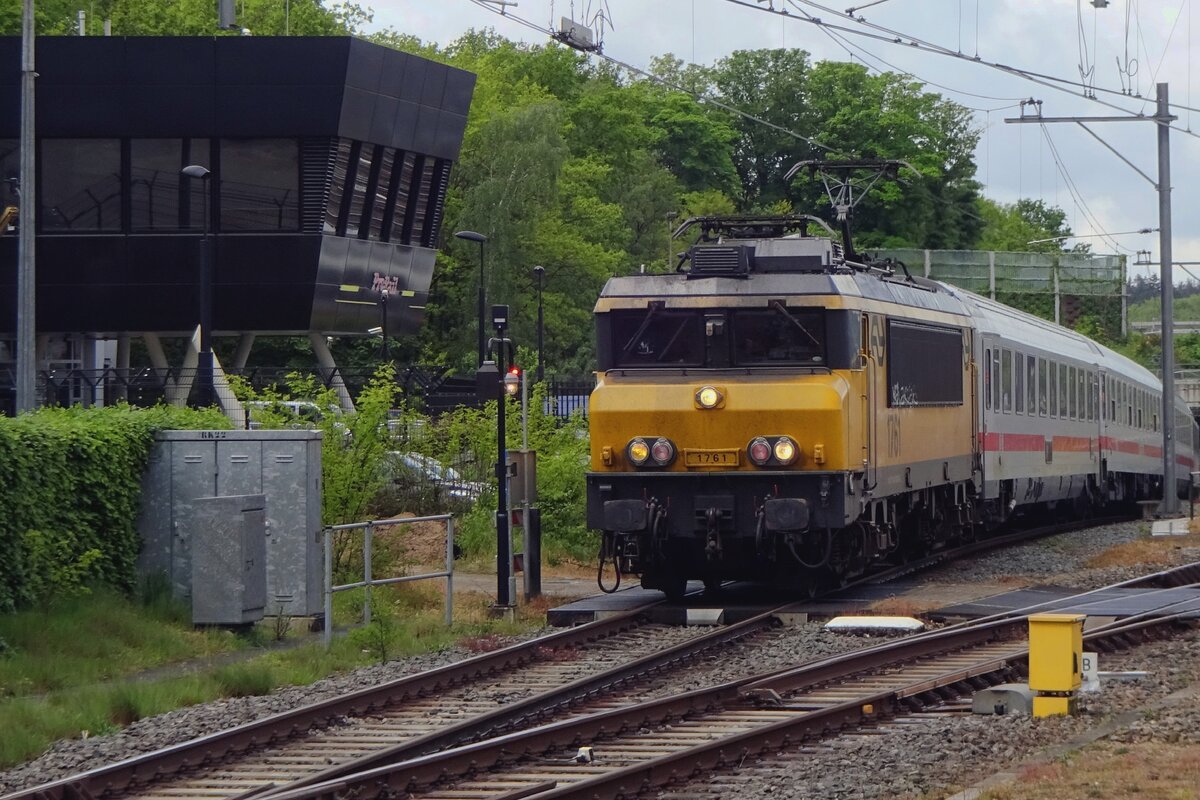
(674, 338)
(778, 306)
(637, 335)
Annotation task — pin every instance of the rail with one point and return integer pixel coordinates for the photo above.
(369, 581)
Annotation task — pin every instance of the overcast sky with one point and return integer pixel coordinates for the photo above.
(1127, 46)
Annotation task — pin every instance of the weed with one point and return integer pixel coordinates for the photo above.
(483, 644)
(245, 680)
(282, 623)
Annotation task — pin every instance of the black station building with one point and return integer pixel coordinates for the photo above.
(329, 160)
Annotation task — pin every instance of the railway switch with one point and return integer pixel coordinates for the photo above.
(1055, 662)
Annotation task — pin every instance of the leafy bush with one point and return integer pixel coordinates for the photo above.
(469, 434)
(75, 474)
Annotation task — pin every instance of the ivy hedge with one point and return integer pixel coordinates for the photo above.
(73, 476)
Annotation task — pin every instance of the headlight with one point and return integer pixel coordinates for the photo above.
(638, 452)
(759, 451)
(709, 397)
(785, 450)
(773, 451)
(659, 453)
(663, 452)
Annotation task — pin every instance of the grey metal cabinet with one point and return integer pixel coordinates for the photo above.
(228, 547)
(284, 466)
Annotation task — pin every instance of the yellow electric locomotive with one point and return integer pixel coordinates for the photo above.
(778, 412)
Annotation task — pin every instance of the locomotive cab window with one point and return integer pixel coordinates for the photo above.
(925, 365)
(778, 335)
(658, 337)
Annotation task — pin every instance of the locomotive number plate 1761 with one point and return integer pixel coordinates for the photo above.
(710, 458)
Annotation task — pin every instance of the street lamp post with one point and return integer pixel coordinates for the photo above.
(505, 582)
(540, 274)
(472, 236)
(383, 310)
(205, 360)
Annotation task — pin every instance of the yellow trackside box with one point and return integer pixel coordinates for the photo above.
(1055, 652)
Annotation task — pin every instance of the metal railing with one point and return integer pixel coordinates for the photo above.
(368, 529)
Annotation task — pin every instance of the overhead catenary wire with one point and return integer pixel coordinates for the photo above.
(1076, 195)
(890, 36)
(865, 55)
(699, 96)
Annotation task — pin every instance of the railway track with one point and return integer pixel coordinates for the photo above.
(629, 751)
(485, 695)
(602, 667)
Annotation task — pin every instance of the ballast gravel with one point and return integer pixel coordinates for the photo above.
(929, 755)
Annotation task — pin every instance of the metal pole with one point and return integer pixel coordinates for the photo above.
(367, 573)
(205, 361)
(527, 575)
(26, 383)
(327, 628)
(1170, 503)
(449, 571)
(481, 300)
(503, 538)
(383, 300)
(540, 272)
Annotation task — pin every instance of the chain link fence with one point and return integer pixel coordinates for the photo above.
(1077, 290)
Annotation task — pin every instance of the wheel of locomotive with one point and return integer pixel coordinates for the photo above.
(672, 584)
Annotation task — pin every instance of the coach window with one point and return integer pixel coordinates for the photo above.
(81, 185)
(1063, 377)
(1019, 383)
(924, 364)
(1072, 407)
(1091, 396)
(987, 379)
(1054, 389)
(1006, 379)
(1043, 386)
(996, 380)
(1031, 385)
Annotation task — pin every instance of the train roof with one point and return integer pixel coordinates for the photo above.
(1033, 333)
(636, 290)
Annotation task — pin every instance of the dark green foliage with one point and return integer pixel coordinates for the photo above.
(75, 476)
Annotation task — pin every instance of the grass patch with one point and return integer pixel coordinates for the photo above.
(1147, 771)
(93, 639)
(1152, 550)
(70, 674)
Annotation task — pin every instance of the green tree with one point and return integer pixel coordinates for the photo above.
(1024, 226)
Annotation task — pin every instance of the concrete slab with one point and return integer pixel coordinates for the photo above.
(1113, 603)
(1169, 527)
(591, 608)
(705, 616)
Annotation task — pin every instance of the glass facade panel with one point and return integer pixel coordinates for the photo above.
(362, 175)
(260, 181)
(380, 205)
(420, 195)
(10, 167)
(337, 189)
(403, 184)
(158, 198)
(80, 185)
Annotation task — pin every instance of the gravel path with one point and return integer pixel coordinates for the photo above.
(914, 757)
